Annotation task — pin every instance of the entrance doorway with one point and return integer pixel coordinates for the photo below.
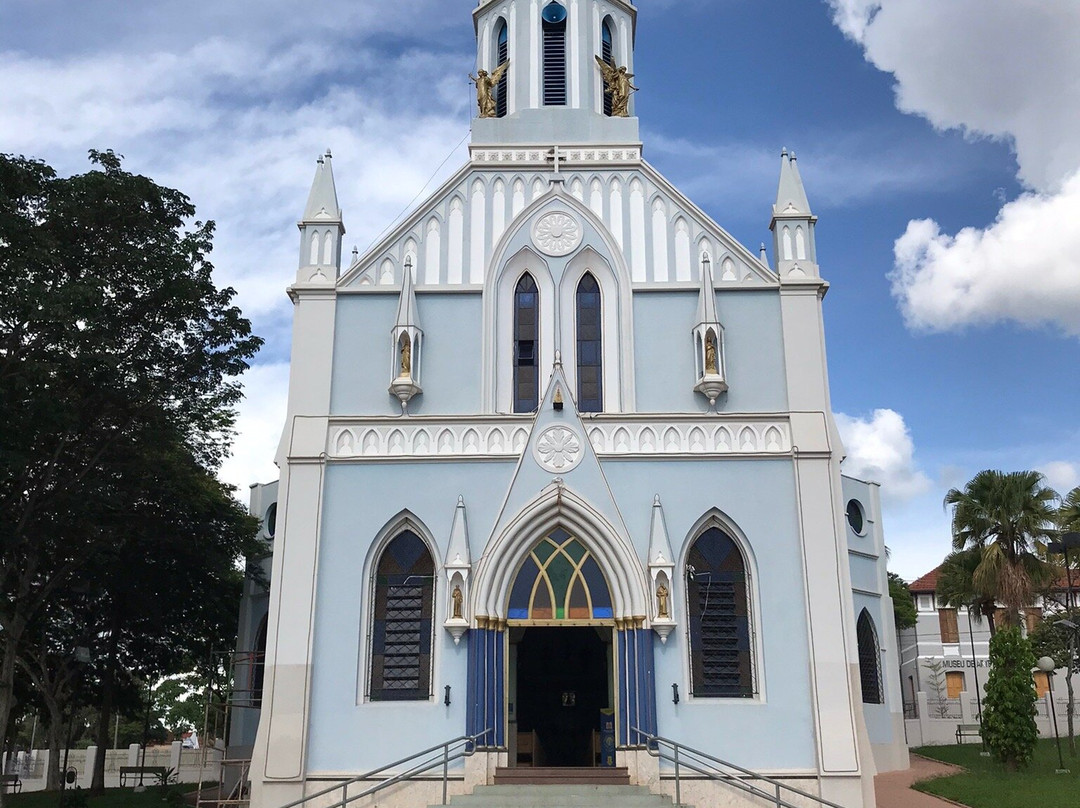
(560, 681)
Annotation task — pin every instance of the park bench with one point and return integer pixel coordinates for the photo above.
(10, 782)
(149, 773)
(967, 731)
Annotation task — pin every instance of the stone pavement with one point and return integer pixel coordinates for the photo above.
(893, 789)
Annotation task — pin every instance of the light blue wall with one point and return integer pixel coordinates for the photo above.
(879, 723)
(758, 495)
(450, 370)
(753, 350)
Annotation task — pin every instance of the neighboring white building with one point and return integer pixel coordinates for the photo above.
(559, 454)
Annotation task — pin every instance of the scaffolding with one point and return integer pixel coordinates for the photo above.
(232, 707)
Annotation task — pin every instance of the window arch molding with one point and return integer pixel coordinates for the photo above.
(716, 518)
(404, 521)
(508, 261)
(614, 317)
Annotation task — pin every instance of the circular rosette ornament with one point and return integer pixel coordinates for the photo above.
(557, 234)
(558, 449)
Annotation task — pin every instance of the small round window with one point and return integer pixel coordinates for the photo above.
(270, 520)
(855, 516)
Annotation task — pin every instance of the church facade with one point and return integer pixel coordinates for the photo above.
(560, 471)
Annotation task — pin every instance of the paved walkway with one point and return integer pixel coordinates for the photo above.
(894, 788)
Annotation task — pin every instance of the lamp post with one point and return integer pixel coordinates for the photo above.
(1047, 665)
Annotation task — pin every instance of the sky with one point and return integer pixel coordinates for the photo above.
(939, 144)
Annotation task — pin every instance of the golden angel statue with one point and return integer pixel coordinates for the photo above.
(485, 86)
(617, 82)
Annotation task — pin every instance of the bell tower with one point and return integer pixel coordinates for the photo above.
(555, 71)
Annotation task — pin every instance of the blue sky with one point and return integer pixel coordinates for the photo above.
(939, 143)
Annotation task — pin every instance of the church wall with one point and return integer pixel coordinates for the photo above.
(451, 358)
(664, 353)
(774, 732)
(346, 733)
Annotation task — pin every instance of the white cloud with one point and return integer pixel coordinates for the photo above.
(1025, 267)
(1062, 476)
(259, 423)
(1006, 70)
(880, 449)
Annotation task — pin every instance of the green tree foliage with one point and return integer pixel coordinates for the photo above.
(1069, 512)
(1061, 644)
(1010, 517)
(119, 370)
(956, 585)
(1008, 720)
(903, 606)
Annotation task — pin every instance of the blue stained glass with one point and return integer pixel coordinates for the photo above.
(519, 595)
(598, 588)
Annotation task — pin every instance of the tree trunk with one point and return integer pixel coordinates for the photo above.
(12, 636)
(108, 697)
(54, 738)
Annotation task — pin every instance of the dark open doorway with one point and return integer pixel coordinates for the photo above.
(563, 681)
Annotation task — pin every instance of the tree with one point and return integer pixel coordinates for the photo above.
(1008, 720)
(114, 342)
(1010, 517)
(1060, 643)
(956, 585)
(903, 606)
(1069, 512)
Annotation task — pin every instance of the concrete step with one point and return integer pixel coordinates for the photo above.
(540, 775)
(560, 796)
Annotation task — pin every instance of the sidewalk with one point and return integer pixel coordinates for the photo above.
(894, 790)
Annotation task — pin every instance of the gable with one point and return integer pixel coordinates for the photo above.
(451, 238)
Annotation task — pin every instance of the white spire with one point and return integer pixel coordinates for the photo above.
(457, 553)
(790, 194)
(322, 204)
(408, 316)
(659, 545)
(707, 298)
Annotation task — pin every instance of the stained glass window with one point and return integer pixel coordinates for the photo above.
(718, 605)
(526, 331)
(869, 660)
(590, 362)
(560, 580)
(402, 633)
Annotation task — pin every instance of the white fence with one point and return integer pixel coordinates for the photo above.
(932, 722)
(190, 765)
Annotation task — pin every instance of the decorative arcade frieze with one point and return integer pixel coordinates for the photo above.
(499, 437)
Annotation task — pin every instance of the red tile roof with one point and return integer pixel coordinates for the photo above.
(927, 583)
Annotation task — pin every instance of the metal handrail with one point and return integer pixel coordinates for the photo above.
(468, 743)
(684, 756)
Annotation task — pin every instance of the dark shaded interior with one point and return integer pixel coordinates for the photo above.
(562, 685)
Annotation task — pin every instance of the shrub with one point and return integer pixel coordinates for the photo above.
(1008, 720)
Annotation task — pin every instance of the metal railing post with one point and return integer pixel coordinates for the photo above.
(344, 794)
(678, 789)
(445, 770)
(778, 801)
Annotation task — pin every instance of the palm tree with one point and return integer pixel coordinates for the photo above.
(956, 584)
(1010, 516)
(1069, 512)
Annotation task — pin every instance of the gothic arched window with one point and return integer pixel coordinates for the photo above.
(501, 54)
(718, 610)
(607, 53)
(590, 360)
(401, 636)
(526, 345)
(554, 31)
(869, 660)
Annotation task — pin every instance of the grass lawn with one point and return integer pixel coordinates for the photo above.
(986, 784)
(111, 798)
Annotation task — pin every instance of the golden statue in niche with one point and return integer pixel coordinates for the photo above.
(485, 86)
(617, 82)
(406, 357)
(662, 601)
(458, 599)
(711, 368)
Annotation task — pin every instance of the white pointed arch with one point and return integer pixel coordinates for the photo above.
(557, 506)
(497, 394)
